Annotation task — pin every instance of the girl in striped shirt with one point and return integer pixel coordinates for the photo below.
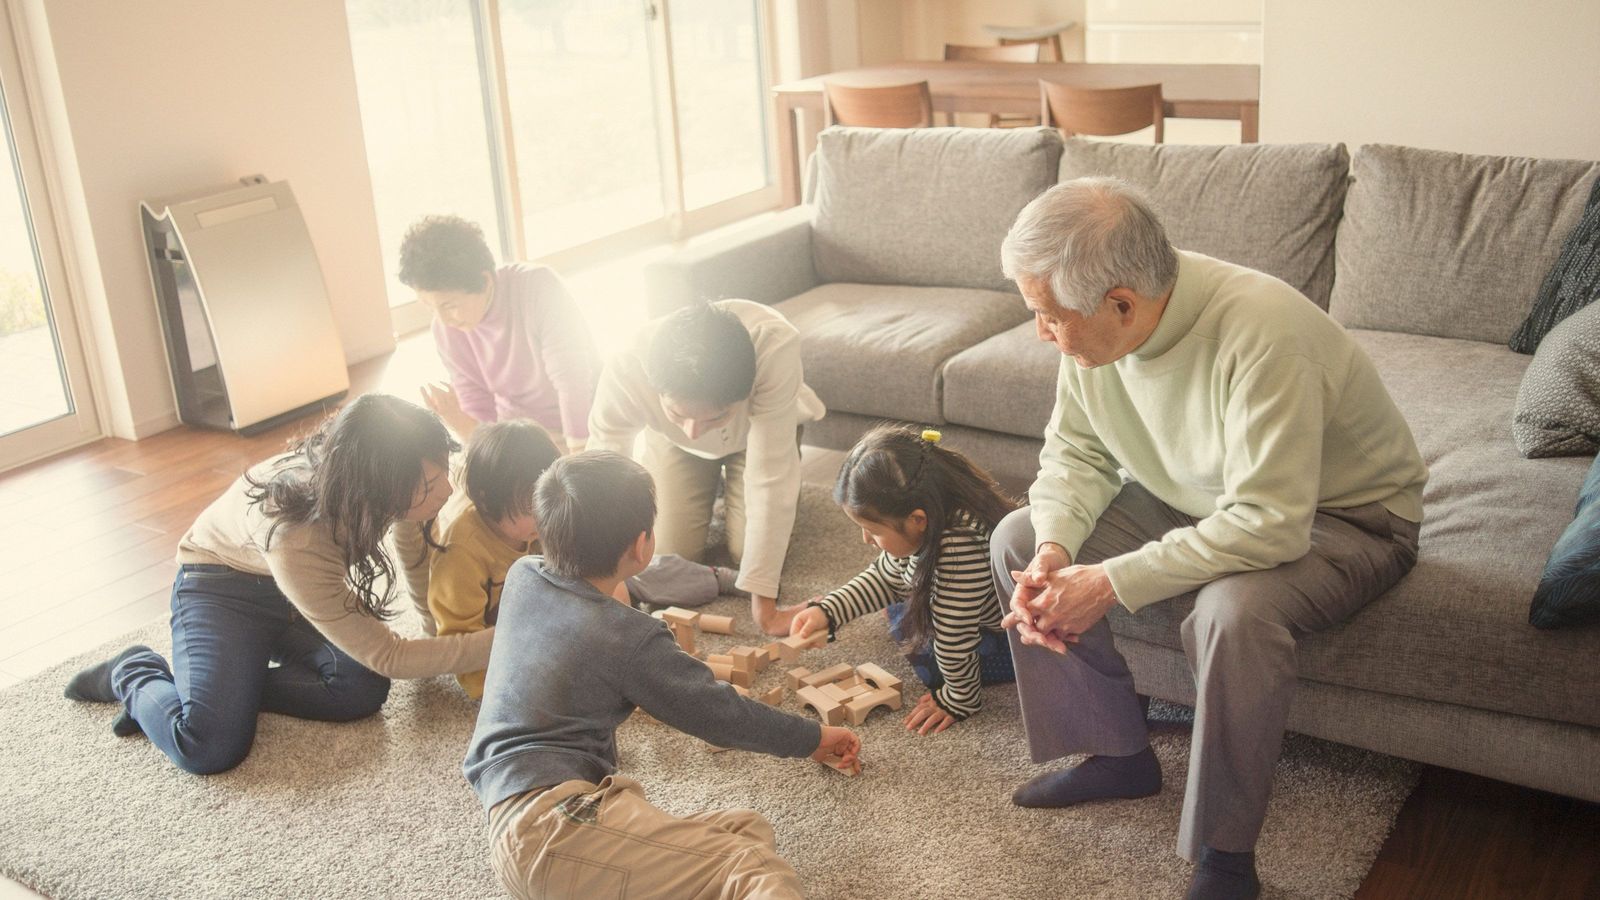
(930, 511)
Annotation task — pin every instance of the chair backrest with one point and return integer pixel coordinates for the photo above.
(890, 106)
(1101, 111)
(1017, 53)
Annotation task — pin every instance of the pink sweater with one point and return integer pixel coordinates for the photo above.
(531, 356)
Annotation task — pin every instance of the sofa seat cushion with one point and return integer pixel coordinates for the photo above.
(1456, 630)
(924, 206)
(880, 350)
(1272, 207)
(1006, 384)
(1451, 244)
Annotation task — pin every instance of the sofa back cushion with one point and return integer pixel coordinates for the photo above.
(924, 206)
(1272, 207)
(1450, 244)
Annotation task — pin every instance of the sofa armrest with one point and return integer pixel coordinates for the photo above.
(767, 262)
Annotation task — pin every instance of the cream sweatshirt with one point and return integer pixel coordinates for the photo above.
(762, 426)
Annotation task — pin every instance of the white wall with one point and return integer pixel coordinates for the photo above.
(143, 99)
(1476, 76)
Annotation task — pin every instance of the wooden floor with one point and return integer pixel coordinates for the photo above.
(86, 545)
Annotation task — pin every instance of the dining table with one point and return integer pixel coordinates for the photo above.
(1188, 91)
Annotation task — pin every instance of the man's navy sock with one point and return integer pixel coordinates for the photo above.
(1096, 778)
(1219, 875)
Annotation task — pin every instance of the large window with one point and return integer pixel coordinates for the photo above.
(45, 403)
(566, 128)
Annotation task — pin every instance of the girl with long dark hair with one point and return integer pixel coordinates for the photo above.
(283, 589)
(930, 511)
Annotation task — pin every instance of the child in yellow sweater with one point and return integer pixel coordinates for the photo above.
(478, 540)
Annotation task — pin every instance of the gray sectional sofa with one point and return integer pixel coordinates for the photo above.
(891, 271)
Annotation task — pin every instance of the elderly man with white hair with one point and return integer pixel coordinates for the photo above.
(1271, 481)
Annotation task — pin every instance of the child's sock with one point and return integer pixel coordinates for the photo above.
(1224, 876)
(93, 685)
(725, 582)
(1096, 778)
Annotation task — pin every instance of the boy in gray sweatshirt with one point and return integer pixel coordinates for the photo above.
(569, 665)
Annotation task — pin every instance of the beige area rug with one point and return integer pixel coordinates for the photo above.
(379, 808)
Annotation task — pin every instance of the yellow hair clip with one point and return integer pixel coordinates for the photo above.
(932, 436)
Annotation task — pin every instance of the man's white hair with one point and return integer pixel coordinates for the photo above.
(1086, 237)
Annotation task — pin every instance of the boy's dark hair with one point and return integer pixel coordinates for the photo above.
(504, 462)
(591, 507)
(445, 253)
(895, 470)
(702, 353)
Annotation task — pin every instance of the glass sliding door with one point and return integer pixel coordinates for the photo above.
(570, 129)
(720, 86)
(585, 128)
(419, 77)
(45, 402)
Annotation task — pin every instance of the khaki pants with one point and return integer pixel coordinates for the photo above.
(686, 489)
(1240, 634)
(605, 841)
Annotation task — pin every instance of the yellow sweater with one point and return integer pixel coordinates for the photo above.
(464, 580)
(1248, 408)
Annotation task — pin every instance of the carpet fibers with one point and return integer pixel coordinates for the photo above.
(379, 809)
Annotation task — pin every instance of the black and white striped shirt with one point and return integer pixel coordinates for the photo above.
(962, 606)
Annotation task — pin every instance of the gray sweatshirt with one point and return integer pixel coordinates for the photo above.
(570, 664)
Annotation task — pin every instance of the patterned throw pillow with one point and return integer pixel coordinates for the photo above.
(1573, 282)
(1569, 592)
(1558, 405)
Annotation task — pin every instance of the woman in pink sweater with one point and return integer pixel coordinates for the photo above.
(512, 338)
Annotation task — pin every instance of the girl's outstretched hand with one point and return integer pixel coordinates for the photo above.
(927, 718)
(807, 622)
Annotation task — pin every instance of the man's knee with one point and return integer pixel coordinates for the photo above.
(1235, 609)
(1011, 544)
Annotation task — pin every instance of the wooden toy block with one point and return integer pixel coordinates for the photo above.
(716, 624)
(795, 679)
(721, 659)
(857, 690)
(830, 712)
(749, 659)
(772, 652)
(739, 678)
(790, 647)
(773, 697)
(684, 635)
(713, 748)
(834, 692)
(874, 675)
(850, 681)
(679, 616)
(836, 763)
(859, 708)
(828, 675)
(721, 671)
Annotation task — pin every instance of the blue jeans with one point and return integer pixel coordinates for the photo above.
(227, 628)
(994, 653)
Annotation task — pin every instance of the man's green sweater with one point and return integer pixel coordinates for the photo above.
(1248, 408)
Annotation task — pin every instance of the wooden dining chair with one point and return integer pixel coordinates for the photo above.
(1017, 53)
(890, 106)
(1101, 111)
(1013, 53)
